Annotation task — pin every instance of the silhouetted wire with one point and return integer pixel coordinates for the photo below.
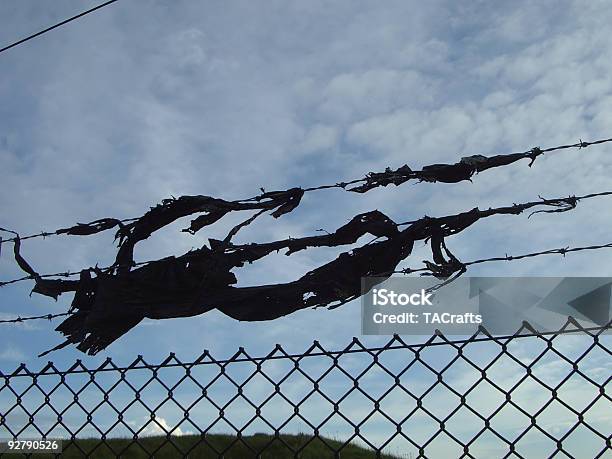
(20, 319)
(434, 229)
(477, 337)
(533, 151)
(559, 251)
(564, 204)
(59, 24)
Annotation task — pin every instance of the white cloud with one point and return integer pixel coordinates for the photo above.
(159, 426)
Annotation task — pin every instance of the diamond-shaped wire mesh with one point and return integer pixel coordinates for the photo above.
(524, 395)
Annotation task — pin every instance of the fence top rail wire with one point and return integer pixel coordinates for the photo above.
(315, 350)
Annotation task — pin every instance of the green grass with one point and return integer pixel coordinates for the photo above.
(273, 448)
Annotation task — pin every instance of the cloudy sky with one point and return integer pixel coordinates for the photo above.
(141, 101)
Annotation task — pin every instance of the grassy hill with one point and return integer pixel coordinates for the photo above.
(316, 449)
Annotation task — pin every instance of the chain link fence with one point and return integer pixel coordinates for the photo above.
(526, 395)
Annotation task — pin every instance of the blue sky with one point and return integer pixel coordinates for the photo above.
(143, 100)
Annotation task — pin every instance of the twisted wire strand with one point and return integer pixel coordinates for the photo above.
(558, 251)
(391, 175)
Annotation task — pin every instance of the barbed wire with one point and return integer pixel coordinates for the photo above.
(67, 274)
(558, 251)
(48, 317)
(46, 234)
(209, 268)
(371, 180)
(561, 204)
